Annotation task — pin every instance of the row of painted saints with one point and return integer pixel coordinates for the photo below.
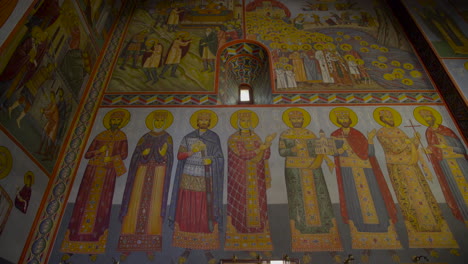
(196, 210)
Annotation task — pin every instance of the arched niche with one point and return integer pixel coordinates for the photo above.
(244, 62)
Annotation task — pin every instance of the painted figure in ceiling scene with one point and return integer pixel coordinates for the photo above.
(152, 59)
(23, 64)
(423, 218)
(174, 18)
(443, 25)
(449, 159)
(196, 210)
(248, 227)
(48, 144)
(179, 48)
(134, 49)
(208, 48)
(24, 195)
(64, 110)
(311, 218)
(144, 200)
(31, 88)
(88, 229)
(365, 200)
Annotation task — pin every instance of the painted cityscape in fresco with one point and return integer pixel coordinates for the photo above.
(163, 164)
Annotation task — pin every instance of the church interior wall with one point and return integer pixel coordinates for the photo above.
(86, 63)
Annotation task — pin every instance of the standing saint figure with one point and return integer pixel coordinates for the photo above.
(88, 228)
(449, 159)
(196, 211)
(311, 218)
(145, 197)
(424, 222)
(366, 204)
(24, 195)
(248, 227)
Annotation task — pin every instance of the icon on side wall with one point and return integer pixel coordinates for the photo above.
(24, 195)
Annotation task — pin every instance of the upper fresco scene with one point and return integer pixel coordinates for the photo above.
(293, 46)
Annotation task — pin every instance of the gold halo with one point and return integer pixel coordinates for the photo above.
(420, 119)
(125, 119)
(407, 81)
(306, 47)
(396, 63)
(349, 57)
(331, 46)
(382, 59)
(194, 117)
(415, 74)
(150, 120)
(396, 116)
(234, 118)
(318, 46)
(389, 76)
(346, 47)
(29, 173)
(408, 66)
(352, 116)
(6, 162)
(304, 112)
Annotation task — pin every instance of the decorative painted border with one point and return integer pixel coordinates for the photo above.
(358, 98)
(148, 100)
(47, 220)
(309, 98)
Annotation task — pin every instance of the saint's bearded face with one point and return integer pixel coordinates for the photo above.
(344, 121)
(297, 122)
(115, 123)
(203, 123)
(430, 119)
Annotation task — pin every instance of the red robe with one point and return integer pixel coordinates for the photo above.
(435, 158)
(118, 150)
(237, 183)
(359, 145)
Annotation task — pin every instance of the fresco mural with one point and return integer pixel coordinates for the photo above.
(100, 16)
(196, 211)
(458, 69)
(43, 78)
(248, 180)
(351, 179)
(165, 40)
(22, 185)
(370, 210)
(443, 25)
(88, 229)
(145, 197)
(315, 45)
(312, 220)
